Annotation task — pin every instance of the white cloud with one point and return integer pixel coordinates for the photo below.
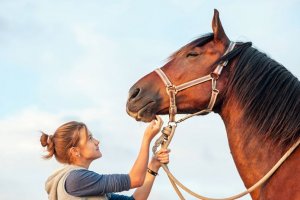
(87, 56)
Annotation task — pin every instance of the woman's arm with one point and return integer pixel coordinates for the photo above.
(138, 171)
(83, 182)
(142, 192)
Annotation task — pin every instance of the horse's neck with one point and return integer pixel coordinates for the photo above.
(253, 155)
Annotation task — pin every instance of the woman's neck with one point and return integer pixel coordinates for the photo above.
(82, 163)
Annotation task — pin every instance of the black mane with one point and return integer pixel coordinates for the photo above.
(269, 94)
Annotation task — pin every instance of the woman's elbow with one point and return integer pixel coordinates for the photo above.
(136, 182)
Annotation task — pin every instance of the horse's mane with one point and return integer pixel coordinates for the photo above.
(269, 94)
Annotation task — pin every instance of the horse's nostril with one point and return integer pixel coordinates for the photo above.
(135, 92)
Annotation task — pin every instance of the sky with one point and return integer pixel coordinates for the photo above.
(76, 60)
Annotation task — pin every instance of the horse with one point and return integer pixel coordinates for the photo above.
(258, 101)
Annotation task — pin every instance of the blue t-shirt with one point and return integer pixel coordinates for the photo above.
(84, 182)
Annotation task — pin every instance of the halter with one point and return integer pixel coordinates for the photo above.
(172, 90)
(168, 131)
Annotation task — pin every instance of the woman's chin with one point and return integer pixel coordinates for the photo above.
(99, 155)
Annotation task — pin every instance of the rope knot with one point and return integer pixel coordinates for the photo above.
(167, 131)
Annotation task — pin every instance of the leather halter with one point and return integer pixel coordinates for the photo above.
(172, 90)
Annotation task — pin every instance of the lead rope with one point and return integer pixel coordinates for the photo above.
(175, 182)
(165, 140)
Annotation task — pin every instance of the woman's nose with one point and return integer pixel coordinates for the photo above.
(96, 142)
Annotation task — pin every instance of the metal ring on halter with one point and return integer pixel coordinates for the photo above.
(172, 123)
(171, 88)
(214, 83)
(214, 75)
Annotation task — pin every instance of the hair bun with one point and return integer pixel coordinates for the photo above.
(45, 139)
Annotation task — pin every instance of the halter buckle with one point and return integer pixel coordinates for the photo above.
(216, 90)
(171, 90)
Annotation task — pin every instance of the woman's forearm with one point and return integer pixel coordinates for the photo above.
(142, 192)
(138, 171)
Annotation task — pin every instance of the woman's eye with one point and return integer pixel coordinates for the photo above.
(192, 54)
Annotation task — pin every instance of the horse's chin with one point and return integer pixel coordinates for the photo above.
(145, 114)
(140, 116)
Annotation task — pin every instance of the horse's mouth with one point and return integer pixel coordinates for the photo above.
(163, 111)
(144, 114)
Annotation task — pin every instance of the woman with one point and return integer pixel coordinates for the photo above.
(73, 144)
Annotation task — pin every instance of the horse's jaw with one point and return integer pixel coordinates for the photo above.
(143, 113)
(138, 117)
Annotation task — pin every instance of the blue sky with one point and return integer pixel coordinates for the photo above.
(75, 60)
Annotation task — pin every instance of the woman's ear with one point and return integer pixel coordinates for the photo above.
(74, 152)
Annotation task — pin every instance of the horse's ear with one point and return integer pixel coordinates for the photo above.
(219, 34)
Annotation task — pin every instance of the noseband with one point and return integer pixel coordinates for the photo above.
(172, 90)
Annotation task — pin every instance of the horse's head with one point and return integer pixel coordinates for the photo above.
(148, 96)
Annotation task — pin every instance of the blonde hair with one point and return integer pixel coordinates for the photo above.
(64, 138)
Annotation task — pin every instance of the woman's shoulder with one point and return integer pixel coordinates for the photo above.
(81, 173)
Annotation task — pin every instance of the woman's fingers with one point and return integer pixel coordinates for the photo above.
(161, 151)
(158, 120)
(154, 127)
(163, 160)
(156, 123)
(163, 156)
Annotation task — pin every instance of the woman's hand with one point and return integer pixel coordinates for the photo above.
(154, 127)
(161, 157)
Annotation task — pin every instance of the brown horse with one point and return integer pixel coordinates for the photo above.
(259, 102)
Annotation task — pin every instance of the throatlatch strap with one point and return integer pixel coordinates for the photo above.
(219, 68)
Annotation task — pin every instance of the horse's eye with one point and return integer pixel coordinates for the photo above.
(192, 54)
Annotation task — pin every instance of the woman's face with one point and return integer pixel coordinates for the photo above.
(89, 146)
